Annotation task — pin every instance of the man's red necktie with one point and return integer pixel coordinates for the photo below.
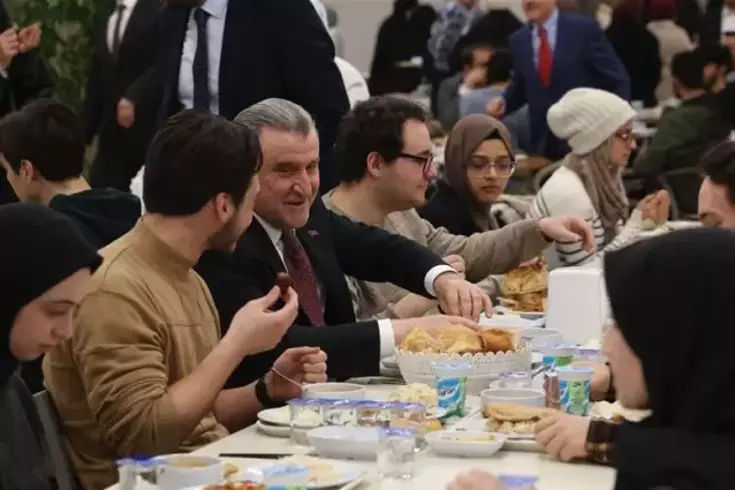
(545, 57)
(303, 277)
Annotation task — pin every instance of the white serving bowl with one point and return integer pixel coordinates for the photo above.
(521, 396)
(189, 470)
(450, 443)
(418, 367)
(345, 442)
(334, 391)
(541, 336)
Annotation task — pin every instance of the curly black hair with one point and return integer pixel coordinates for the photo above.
(719, 165)
(375, 125)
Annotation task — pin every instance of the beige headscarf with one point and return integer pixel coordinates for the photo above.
(464, 139)
(603, 182)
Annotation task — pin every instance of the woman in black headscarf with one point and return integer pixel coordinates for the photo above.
(45, 266)
(670, 352)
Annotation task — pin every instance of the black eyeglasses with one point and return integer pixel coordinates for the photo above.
(424, 160)
(504, 166)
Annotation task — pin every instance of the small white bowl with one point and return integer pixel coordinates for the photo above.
(459, 443)
(521, 396)
(345, 442)
(189, 470)
(334, 391)
(542, 336)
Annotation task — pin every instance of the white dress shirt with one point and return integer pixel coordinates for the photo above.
(126, 13)
(217, 10)
(727, 23)
(385, 326)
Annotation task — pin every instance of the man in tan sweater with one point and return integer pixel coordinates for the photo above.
(385, 154)
(144, 372)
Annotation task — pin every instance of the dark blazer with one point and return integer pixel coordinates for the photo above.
(278, 48)
(582, 58)
(639, 51)
(120, 151)
(28, 79)
(710, 30)
(337, 247)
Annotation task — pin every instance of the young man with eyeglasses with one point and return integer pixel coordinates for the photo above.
(385, 158)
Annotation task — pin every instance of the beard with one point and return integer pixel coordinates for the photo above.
(225, 240)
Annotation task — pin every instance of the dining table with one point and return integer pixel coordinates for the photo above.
(431, 471)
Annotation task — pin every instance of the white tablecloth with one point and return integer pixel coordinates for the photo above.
(433, 472)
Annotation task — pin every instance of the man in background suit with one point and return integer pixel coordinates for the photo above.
(554, 53)
(123, 52)
(294, 232)
(23, 75)
(226, 55)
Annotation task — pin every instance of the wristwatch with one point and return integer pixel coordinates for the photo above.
(261, 393)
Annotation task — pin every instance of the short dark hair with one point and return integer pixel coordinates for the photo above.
(716, 53)
(719, 165)
(467, 54)
(194, 157)
(500, 67)
(375, 125)
(49, 135)
(688, 69)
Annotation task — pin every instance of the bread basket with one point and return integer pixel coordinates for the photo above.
(418, 367)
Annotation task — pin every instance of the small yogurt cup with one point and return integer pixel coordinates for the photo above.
(518, 482)
(574, 389)
(558, 354)
(451, 386)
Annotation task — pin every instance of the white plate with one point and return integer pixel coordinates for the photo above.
(475, 425)
(346, 473)
(510, 321)
(441, 442)
(275, 416)
(273, 430)
(526, 315)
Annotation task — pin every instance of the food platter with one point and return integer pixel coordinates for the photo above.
(341, 472)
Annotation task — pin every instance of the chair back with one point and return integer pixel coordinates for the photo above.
(683, 184)
(53, 433)
(543, 175)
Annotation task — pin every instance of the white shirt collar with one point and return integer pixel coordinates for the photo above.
(273, 233)
(215, 8)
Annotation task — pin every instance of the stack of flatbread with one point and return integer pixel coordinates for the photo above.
(511, 418)
(526, 288)
(458, 339)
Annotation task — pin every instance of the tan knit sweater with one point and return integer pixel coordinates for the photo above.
(148, 322)
(492, 252)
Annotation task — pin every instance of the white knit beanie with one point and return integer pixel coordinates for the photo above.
(586, 117)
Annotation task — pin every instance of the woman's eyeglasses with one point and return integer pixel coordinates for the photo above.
(625, 136)
(424, 160)
(504, 166)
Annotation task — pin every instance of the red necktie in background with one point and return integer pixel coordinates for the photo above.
(545, 57)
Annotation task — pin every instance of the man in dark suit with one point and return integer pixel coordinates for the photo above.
(294, 232)
(23, 75)
(122, 53)
(248, 51)
(554, 53)
(713, 26)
